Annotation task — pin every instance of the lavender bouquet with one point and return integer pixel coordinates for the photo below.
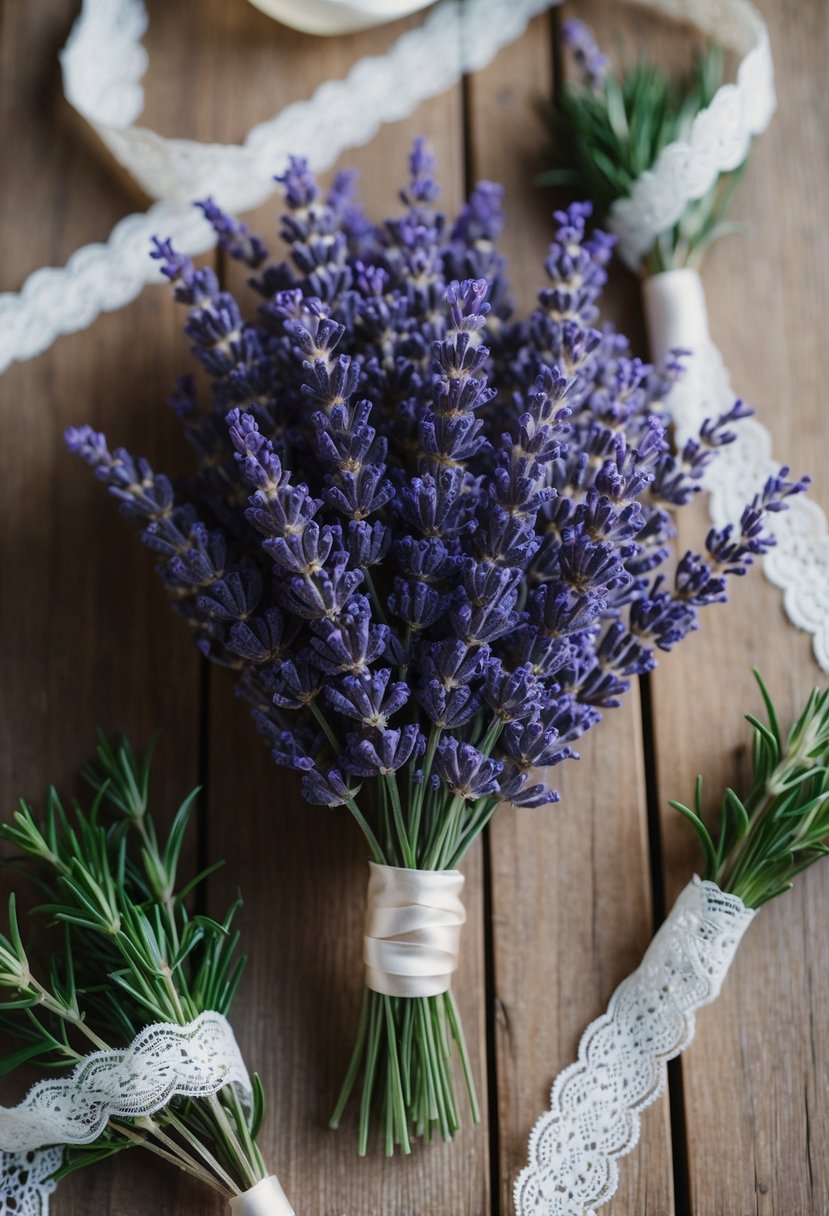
(428, 539)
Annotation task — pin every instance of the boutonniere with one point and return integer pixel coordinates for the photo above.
(764, 838)
(123, 996)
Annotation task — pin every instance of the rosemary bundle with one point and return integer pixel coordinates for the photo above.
(781, 826)
(133, 955)
(765, 839)
(608, 126)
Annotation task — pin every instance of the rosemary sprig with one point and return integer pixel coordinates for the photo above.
(607, 129)
(133, 954)
(782, 825)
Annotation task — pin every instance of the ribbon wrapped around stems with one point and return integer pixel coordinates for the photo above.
(267, 1198)
(413, 929)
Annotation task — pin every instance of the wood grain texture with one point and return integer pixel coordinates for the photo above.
(86, 638)
(570, 883)
(756, 1079)
(304, 868)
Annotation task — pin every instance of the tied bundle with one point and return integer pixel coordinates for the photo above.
(132, 1012)
(764, 839)
(660, 157)
(426, 537)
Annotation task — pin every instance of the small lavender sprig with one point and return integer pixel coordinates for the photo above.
(781, 826)
(429, 538)
(608, 126)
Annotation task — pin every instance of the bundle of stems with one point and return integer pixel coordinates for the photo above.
(781, 826)
(608, 126)
(133, 954)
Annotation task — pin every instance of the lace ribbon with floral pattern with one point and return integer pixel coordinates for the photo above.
(162, 1062)
(596, 1103)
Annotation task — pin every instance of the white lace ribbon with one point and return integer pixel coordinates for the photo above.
(720, 135)
(163, 1061)
(676, 317)
(596, 1103)
(103, 63)
(413, 929)
(26, 1181)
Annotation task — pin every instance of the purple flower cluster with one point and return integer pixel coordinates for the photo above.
(428, 537)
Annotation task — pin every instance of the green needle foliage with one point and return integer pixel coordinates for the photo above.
(133, 953)
(782, 825)
(608, 129)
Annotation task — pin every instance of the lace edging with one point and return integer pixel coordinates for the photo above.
(596, 1103)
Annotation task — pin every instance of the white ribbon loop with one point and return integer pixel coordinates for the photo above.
(267, 1198)
(413, 929)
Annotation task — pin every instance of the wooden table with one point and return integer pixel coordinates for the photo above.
(562, 902)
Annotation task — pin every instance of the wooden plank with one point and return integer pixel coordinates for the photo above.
(304, 868)
(87, 638)
(570, 884)
(755, 1080)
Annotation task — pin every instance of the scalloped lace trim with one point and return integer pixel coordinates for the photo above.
(103, 63)
(162, 1062)
(104, 85)
(720, 135)
(596, 1103)
(26, 1181)
(799, 563)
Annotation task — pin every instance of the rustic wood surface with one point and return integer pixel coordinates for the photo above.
(562, 902)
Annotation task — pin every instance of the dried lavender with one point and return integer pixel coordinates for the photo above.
(429, 538)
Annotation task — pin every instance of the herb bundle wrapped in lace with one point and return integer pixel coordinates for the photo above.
(132, 1012)
(426, 537)
(764, 839)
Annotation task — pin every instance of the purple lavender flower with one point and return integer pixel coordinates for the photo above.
(591, 61)
(426, 537)
(418, 523)
(465, 771)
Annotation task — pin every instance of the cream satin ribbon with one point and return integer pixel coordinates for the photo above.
(413, 930)
(267, 1198)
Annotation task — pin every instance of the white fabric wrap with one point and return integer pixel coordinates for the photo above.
(596, 1103)
(338, 16)
(163, 1061)
(676, 317)
(413, 928)
(267, 1198)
